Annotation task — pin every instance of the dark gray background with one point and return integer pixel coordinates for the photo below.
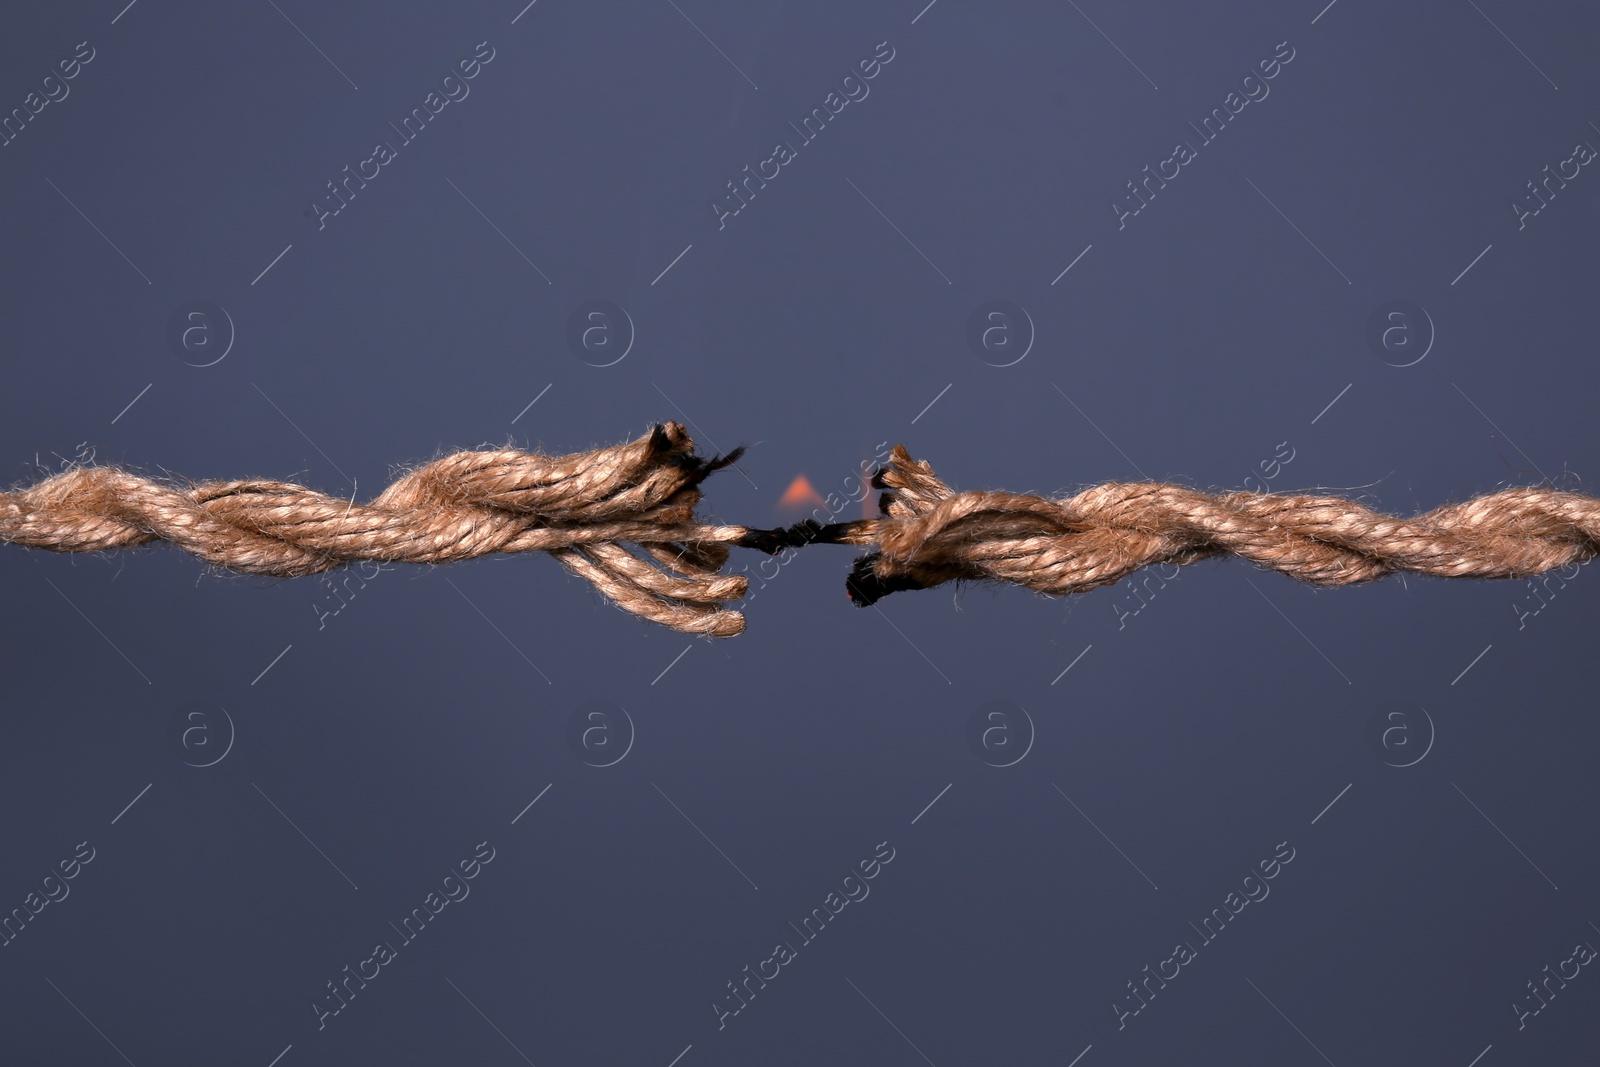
(1197, 735)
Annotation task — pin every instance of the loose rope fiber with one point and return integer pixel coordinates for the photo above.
(588, 508)
(929, 534)
(583, 509)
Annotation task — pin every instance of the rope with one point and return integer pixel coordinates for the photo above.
(583, 509)
(622, 518)
(929, 534)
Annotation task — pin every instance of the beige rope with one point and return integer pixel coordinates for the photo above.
(931, 534)
(581, 508)
(587, 508)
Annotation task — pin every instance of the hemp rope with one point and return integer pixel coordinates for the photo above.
(930, 534)
(581, 508)
(585, 509)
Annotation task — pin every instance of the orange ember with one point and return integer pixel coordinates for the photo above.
(800, 494)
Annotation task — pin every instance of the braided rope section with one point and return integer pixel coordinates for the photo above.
(583, 509)
(930, 534)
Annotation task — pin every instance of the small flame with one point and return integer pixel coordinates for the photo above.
(801, 494)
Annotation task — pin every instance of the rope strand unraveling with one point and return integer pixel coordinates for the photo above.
(581, 508)
(929, 534)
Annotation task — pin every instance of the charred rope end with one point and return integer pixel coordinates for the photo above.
(803, 533)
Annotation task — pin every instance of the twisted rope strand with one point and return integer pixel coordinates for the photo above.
(581, 508)
(929, 534)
